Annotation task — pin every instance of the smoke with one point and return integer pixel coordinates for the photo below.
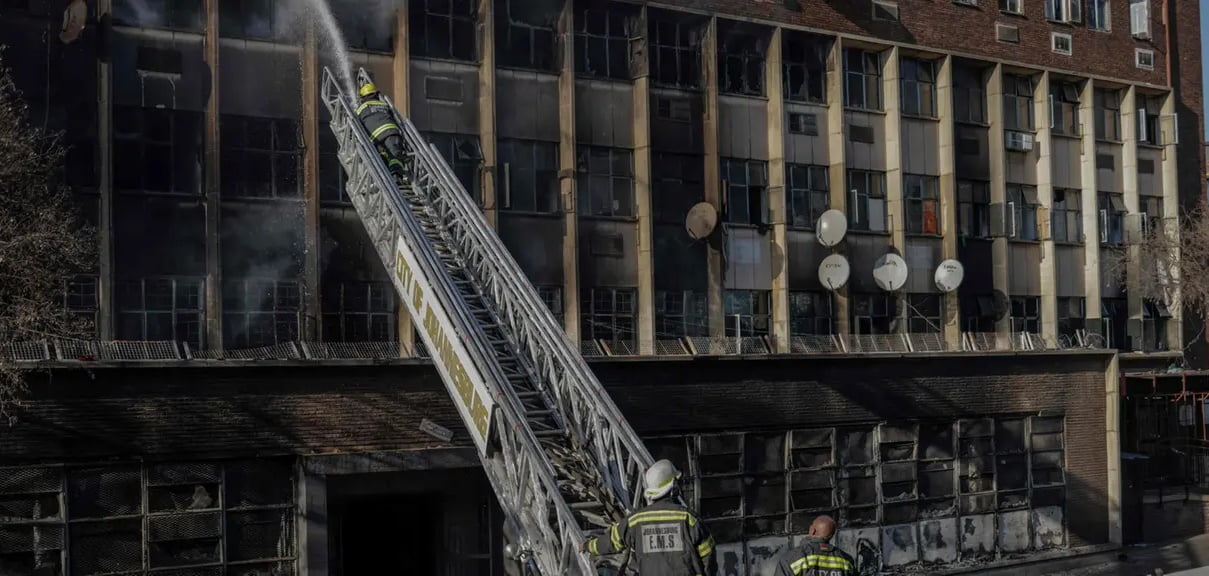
(143, 12)
(297, 15)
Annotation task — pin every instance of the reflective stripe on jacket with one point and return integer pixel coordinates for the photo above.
(815, 558)
(666, 540)
(378, 121)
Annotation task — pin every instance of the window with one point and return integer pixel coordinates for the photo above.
(810, 313)
(675, 55)
(1139, 18)
(359, 312)
(530, 176)
(977, 313)
(608, 314)
(925, 313)
(922, 195)
(1006, 33)
(1098, 17)
(602, 42)
(1114, 314)
(974, 208)
(552, 297)
(969, 96)
(874, 313)
(169, 14)
(801, 123)
(1144, 58)
(1066, 217)
(443, 29)
(332, 177)
(260, 312)
(1011, 6)
(1064, 108)
(862, 79)
(525, 35)
(886, 10)
(606, 181)
(1112, 219)
(740, 59)
(1068, 11)
(867, 200)
(746, 183)
(161, 309)
(918, 79)
(1061, 43)
(1018, 103)
(1154, 326)
(1026, 314)
(157, 151)
(464, 155)
(1152, 213)
(1070, 319)
(1108, 115)
(677, 186)
(260, 19)
(1022, 208)
(809, 194)
(80, 300)
(261, 157)
(805, 61)
(750, 309)
(1149, 108)
(681, 313)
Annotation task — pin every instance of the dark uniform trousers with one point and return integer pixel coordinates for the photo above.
(376, 116)
(815, 558)
(666, 540)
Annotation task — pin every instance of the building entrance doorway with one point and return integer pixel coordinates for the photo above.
(392, 534)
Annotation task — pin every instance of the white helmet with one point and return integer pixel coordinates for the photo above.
(660, 478)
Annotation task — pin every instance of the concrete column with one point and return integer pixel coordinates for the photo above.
(642, 187)
(405, 331)
(1045, 195)
(313, 328)
(1091, 214)
(1112, 435)
(487, 109)
(1171, 208)
(948, 193)
(713, 179)
(1000, 245)
(566, 172)
(892, 104)
(837, 172)
(106, 282)
(1129, 171)
(212, 185)
(777, 205)
(314, 517)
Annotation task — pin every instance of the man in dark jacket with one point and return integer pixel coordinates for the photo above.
(665, 537)
(379, 122)
(816, 556)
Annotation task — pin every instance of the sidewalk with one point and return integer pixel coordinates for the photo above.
(1171, 557)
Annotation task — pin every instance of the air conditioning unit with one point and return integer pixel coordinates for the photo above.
(1020, 141)
(966, 2)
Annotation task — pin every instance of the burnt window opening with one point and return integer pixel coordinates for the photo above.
(359, 312)
(254, 19)
(809, 194)
(1108, 115)
(1071, 314)
(260, 312)
(977, 312)
(811, 313)
(1018, 103)
(82, 304)
(741, 59)
(974, 208)
(922, 195)
(1022, 210)
(677, 186)
(1064, 108)
(1149, 107)
(261, 157)
(368, 25)
(1026, 314)
(332, 177)
(183, 15)
(465, 156)
(747, 311)
(680, 313)
(805, 67)
(609, 314)
(746, 184)
(602, 42)
(606, 181)
(874, 313)
(443, 29)
(162, 309)
(1155, 316)
(918, 87)
(1112, 219)
(867, 201)
(1114, 318)
(1066, 217)
(862, 79)
(529, 173)
(552, 297)
(157, 150)
(969, 96)
(925, 313)
(675, 52)
(525, 33)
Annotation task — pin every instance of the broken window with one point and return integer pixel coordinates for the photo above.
(464, 155)
(260, 312)
(741, 58)
(675, 51)
(976, 465)
(552, 297)
(810, 313)
(80, 299)
(525, 34)
(867, 201)
(809, 194)
(978, 312)
(747, 312)
(1114, 314)
(677, 186)
(259, 19)
(924, 313)
(746, 185)
(367, 25)
(1071, 313)
(1066, 216)
(31, 520)
(162, 309)
(609, 314)
(857, 493)
(681, 313)
(1018, 103)
(359, 312)
(443, 29)
(805, 63)
(157, 150)
(862, 79)
(874, 313)
(332, 177)
(720, 462)
(764, 505)
(606, 181)
(602, 41)
(1064, 108)
(1149, 107)
(922, 194)
(969, 95)
(261, 157)
(1022, 205)
(529, 176)
(918, 80)
(186, 15)
(897, 446)
(1026, 314)
(1112, 219)
(974, 208)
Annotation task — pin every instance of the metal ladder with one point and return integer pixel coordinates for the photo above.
(558, 453)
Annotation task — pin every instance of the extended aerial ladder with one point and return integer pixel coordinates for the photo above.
(558, 453)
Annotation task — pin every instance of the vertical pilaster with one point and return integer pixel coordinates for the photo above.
(313, 327)
(405, 331)
(892, 105)
(776, 192)
(106, 282)
(1045, 195)
(713, 179)
(1000, 244)
(642, 186)
(837, 170)
(212, 185)
(1171, 209)
(487, 109)
(1091, 219)
(948, 193)
(566, 173)
(1129, 172)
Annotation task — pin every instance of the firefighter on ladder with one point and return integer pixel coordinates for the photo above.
(379, 122)
(665, 537)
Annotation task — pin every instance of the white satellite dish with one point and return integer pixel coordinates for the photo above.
(949, 275)
(833, 272)
(701, 220)
(831, 227)
(890, 272)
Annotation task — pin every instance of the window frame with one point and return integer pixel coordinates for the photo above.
(811, 312)
(586, 164)
(1099, 15)
(1066, 212)
(1064, 101)
(870, 193)
(543, 170)
(755, 180)
(1108, 115)
(615, 317)
(342, 318)
(681, 314)
(921, 192)
(285, 318)
(754, 309)
(805, 54)
(866, 79)
(616, 42)
(884, 322)
(511, 31)
(1011, 6)
(178, 142)
(746, 49)
(979, 211)
(810, 195)
(236, 158)
(420, 13)
(1028, 320)
(1111, 212)
(684, 49)
(1022, 205)
(918, 78)
(968, 95)
(1018, 99)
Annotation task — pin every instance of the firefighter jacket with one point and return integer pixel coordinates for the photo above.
(375, 115)
(815, 557)
(666, 539)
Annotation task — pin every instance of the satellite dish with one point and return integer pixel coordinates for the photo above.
(701, 220)
(949, 275)
(833, 272)
(890, 272)
(831, 227)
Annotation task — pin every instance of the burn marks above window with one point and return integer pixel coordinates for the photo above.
(260, 157)
(675, 51)
(525, 33)
(185, 15)
(602, 41)
(741, 49)
(157, 151)
(805, 62)
(443, 29)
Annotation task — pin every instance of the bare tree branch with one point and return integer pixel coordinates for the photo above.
(1172, 260)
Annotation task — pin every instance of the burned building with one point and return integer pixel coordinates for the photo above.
(259, 403)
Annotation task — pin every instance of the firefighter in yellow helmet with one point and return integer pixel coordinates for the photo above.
(379, 122)
(667, 539)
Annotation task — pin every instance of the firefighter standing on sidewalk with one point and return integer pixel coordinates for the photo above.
(816, 556)
(379, 122)
(666, 538)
